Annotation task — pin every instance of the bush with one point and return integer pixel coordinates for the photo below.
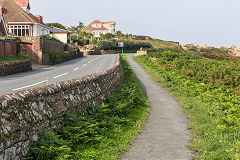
(57, 57)
(106, 45)
(83, 42)
(128, 45)
(49, 37)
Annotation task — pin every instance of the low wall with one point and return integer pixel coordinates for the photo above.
(140, 53)
(8, 48)
(13, 67)
(40, 47)
(97, 51)
(26, 113)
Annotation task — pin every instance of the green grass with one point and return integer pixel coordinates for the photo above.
(213, 110)
(104, 132)
(7, 59)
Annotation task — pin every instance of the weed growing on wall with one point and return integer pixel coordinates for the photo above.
(104, 132)
(208, 90)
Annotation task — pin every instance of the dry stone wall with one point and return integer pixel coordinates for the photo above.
(9, 68)
(24, 114)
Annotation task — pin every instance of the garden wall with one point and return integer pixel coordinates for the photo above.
(13, 67)
(39, 47)
(24, 114)
(8, 48)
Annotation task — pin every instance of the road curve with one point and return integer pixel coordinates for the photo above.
(65, 71)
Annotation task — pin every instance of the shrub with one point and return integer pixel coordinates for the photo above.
(49, 37)
(83, 42)
(128, 45)
(106, 45)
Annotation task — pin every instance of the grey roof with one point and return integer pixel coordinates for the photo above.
(57, 30)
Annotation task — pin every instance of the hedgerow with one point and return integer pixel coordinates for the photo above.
(128, 45)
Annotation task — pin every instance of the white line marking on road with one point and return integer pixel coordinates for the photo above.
(89, 61)
(76, 69)
(60, 75)
(30, 85)
(84, 65)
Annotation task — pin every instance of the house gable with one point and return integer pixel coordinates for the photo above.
(24, 4)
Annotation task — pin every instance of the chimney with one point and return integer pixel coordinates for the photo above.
(39, 18)
(2, 10)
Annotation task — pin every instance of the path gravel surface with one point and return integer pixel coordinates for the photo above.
(164, 135)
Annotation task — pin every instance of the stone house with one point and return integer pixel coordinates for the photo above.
(97, 28)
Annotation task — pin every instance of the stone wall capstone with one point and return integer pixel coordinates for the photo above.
(13, 67)
(24, 114)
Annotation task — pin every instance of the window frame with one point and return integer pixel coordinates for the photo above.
(20, 30)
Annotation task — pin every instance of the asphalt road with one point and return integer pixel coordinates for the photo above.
(65, 71)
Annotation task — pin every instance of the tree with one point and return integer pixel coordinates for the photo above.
(58, 25)
(119, 34)
(80, 25)
(108, 36)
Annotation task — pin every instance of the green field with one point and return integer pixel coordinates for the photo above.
(105, 133)
(209, 92)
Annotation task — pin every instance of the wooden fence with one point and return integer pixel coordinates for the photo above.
(8, 48)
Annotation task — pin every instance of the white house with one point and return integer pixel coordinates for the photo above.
(97, 28)
(59, 34)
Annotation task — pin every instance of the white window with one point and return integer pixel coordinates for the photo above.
(19, 30)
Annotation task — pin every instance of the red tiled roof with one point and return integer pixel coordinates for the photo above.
(100, 28)
(87, 28)
(108, 22)
(96, 21)
(22, 3)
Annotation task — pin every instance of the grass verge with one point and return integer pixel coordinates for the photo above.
(104, 132)
(7, 59)
(212, 110)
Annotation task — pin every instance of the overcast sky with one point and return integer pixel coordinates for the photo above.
(215, 22)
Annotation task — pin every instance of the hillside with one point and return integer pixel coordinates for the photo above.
(207, 86)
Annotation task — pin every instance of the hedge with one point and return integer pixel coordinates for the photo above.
(129, 45)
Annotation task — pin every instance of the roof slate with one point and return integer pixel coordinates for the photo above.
(57, 30)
